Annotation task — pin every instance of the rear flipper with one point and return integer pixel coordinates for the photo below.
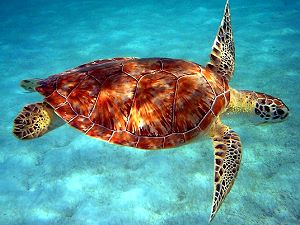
(35, 120)
(228, 152)
(29, 84)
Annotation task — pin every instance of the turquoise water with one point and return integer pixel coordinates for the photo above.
(65, 177)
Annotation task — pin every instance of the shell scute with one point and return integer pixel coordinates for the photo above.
(192, 133)
(227, 97)
(218, 104)
(151, 113)
(66, 112)
(180, 68)
(81, 123)
(100, 62)
(100, 131)
(124, 138)
(114, 102)
(193, 100)
(47, 86)
(83, 97)
(140, 67)
(150, 142)
(216, 82)
(66, 83)
(174, 140)
(104, 71)
(55, 99)
(207, 120)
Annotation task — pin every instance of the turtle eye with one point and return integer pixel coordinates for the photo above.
(282, 112)
(273, 110)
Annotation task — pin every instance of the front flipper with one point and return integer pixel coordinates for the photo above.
(222, 56)
(228, 152)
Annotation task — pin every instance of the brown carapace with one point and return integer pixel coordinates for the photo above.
(145, 103)
(153, 103)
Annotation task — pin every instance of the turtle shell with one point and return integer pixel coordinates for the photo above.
(144, 103)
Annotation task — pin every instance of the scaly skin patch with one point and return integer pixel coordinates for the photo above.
(241, 101)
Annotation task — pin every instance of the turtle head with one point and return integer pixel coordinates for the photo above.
(270, 109)
(265, 107)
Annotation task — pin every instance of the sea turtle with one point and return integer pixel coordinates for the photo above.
(153, 103)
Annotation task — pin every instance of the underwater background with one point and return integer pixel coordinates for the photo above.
(66, 177)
